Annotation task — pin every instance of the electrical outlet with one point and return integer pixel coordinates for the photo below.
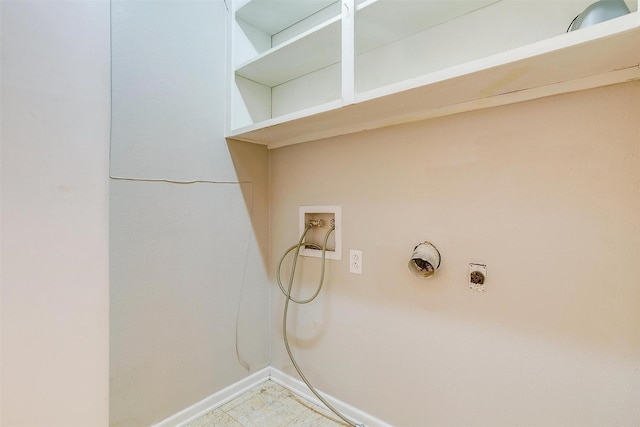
(477, 277)
(355, 261)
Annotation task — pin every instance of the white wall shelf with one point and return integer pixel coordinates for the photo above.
(381, 22)
(490, 74)
(313, 50)
(272, 16)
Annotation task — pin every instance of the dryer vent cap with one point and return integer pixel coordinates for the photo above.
(425, 260)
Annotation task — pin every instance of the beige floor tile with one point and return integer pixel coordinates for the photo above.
(268, 387)
(266, 409)
(317, 420)
(316, 415)
(215, 418)
(269, 405)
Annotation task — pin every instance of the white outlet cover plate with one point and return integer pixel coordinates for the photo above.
(355, 261)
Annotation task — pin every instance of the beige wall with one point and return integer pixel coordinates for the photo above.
(55, 283)
(547, 194)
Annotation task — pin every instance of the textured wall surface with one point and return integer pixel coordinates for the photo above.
(546, 194)
(55, 139)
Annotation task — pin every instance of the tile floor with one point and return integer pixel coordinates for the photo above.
(268, 405)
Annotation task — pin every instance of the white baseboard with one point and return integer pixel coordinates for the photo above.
(301, 389)
(296, 386)
(219, 398)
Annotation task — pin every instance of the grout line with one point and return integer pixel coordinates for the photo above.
(234, 419)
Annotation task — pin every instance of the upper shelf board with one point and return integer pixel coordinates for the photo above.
(273, 16)
(604, 54)
(319, 47)
(379, 22)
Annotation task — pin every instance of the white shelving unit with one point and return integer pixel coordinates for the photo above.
(305, 70)
(286, 56)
